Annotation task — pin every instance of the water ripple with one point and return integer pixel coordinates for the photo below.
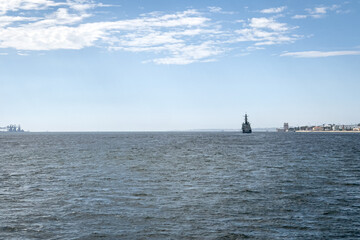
(179, 186)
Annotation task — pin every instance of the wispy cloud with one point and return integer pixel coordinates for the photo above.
(27, 5)
(274, 10)
(22, 54)
(182, 54)
(266, 31)
(182, 37)
(213, 9)
(8, 20)
(318, 54)
(269, 23)
(317, 12)
(299, 16)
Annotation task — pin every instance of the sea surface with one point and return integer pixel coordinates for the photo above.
(181, 185)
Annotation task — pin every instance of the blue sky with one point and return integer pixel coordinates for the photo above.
(139, 65)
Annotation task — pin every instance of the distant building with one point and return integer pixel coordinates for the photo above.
(327, 127)
(14, 128)
(286, 127)
(318, 128)
(291, 129)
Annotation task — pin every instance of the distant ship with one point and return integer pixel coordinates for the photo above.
(246, 128)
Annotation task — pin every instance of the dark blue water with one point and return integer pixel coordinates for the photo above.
(179, 186)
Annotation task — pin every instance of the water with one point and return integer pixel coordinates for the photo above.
(179, 186)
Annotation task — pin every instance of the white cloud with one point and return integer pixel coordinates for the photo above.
(215, 9)
(299, 16)
(83, 5)
(16, 5)
(317, 54)
(318, 12)
(265, 31)
(58, 37)
(182, 54)
(60, 17)
(254, 48)
(274, 10)
(22, 54)
(178, 38)
(55, 31)
(8, 20)
(173, 35)
(269, 23)
(191, 53)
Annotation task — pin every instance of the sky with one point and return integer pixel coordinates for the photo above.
(167, 65)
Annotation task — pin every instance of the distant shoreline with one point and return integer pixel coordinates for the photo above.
(306, 131)
(180, 131)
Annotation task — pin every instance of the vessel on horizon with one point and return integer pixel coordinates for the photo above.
(246, 128)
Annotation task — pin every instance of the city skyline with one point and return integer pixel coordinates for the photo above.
(171, 65)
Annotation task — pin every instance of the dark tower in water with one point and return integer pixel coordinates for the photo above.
(246, 128)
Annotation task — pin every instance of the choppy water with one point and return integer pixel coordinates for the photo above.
(179, 186)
